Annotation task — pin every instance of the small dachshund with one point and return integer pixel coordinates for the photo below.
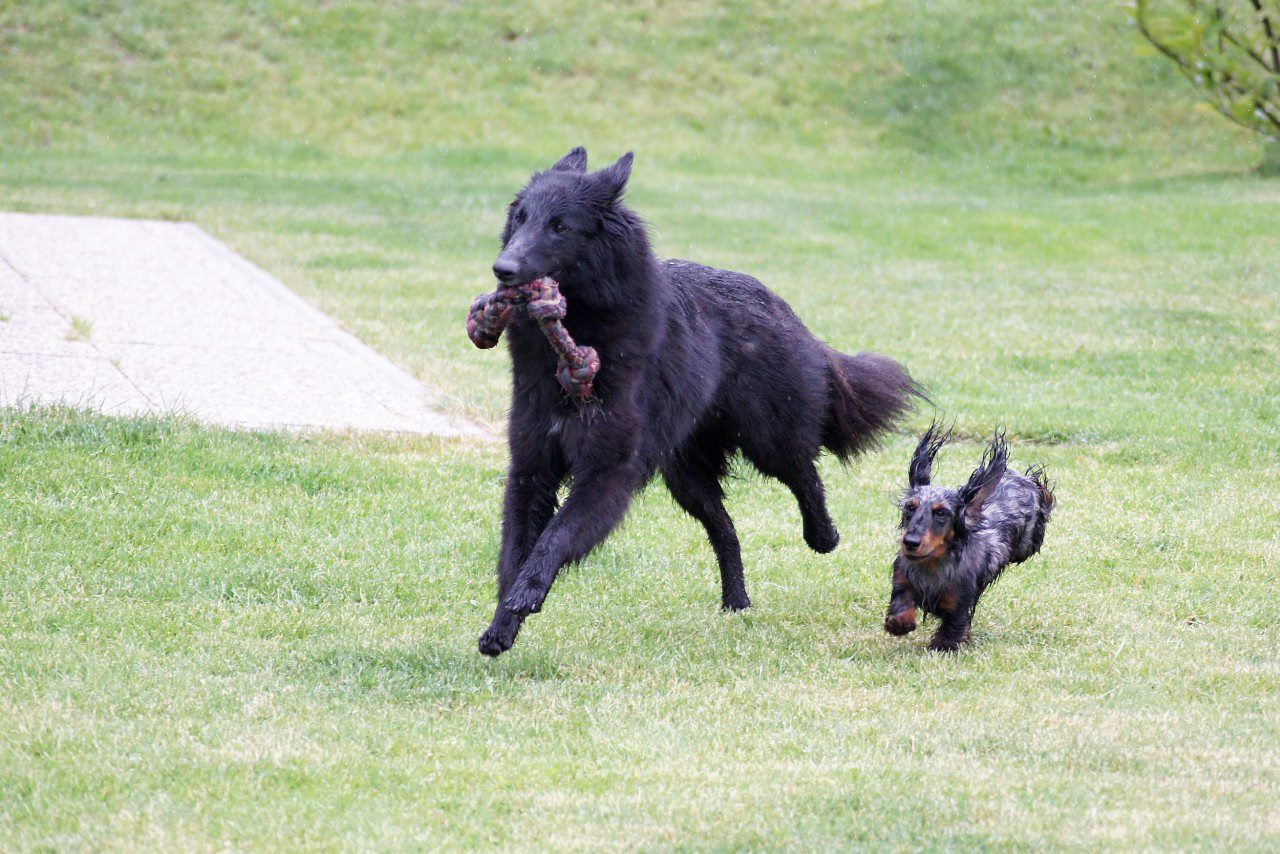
(955, 543)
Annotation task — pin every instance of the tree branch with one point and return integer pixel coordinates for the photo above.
(1271, 35)
(1226, 35)
(1227, 81)
(1215, 65)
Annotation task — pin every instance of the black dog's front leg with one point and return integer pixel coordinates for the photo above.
(527, 507)
(596, 504)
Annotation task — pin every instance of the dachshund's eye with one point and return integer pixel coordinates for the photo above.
(941, 513)
(520, 217)
(559, 227)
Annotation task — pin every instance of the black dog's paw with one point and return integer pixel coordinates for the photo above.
(500, 636)
(822, 538)
(735, 603)
(525, 598)
(901, 623)
(494, 642)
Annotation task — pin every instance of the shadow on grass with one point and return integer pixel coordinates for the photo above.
(1186, 180)
(425, 671)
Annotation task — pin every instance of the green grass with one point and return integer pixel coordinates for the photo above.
(81, 328)
(211, 639)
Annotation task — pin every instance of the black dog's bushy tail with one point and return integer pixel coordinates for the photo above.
(870, 395)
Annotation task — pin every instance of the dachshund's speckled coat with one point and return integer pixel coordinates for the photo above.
(956, 542)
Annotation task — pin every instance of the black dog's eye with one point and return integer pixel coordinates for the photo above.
(941, 513)
(559, 227)
(520, 217)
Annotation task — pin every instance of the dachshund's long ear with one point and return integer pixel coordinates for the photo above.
(982, 483)
(574, 161)
(921, 470)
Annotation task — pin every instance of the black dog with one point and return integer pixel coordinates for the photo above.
(955, 543)
(696, 364)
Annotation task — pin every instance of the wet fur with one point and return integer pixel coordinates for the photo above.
(956, 542)
(697, 364)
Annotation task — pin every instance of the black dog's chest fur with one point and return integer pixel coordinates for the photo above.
(656, 380)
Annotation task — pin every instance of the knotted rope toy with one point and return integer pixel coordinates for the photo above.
(490, 314)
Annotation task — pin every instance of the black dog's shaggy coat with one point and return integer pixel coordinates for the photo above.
(696, 364)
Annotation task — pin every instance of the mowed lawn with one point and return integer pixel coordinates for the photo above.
(211, 639)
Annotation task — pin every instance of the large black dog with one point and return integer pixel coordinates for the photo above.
(696, 364)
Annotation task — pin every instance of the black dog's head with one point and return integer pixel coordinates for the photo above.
(934, 516)
(551, 221)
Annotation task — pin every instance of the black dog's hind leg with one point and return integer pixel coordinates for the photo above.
(529, 504)
(802, 479)
(596, 504)
(696, 488)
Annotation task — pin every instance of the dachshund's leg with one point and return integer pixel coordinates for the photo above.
(954, 631)
(900, 618)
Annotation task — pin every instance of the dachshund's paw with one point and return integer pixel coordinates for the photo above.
(950, 644)
(740, 602)
(901, 623)
(500, 635)
(525, 598)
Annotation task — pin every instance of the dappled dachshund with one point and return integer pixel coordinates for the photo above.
(956, 542)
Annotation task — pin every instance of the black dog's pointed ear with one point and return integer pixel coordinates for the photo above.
(921, 470)
(612, 180)
(983, 482)
(574, 161)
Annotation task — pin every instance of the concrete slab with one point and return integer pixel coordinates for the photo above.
(85, 383)
(132, 316)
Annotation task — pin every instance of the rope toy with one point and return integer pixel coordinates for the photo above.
(490, 314)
